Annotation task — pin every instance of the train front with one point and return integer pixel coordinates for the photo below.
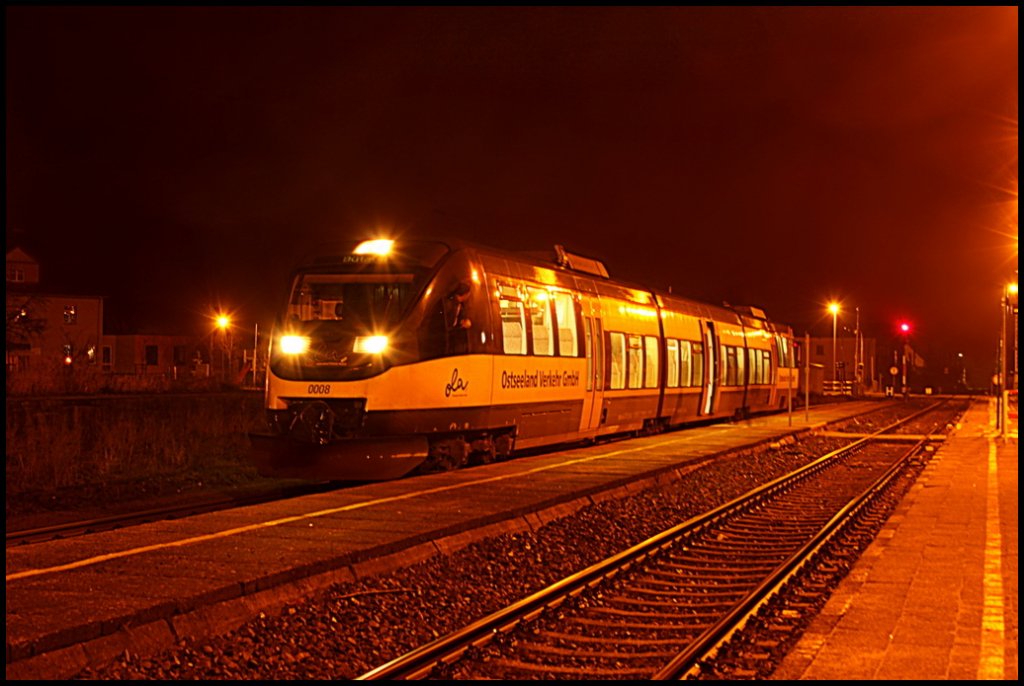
(353, 313)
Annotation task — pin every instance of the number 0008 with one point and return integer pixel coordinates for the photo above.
(319, 389)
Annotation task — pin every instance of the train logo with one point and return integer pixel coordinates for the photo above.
(456, 386)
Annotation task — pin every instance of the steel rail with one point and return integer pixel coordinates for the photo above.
(420, 661)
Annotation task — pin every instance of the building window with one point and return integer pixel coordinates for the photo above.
(152, 355)
(16, 275)
(107, 356)
(70, 314)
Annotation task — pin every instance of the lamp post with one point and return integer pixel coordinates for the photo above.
(224, 324)
(833, 307)
(905, 330)
(858, 356)
(255, 352)
(1007, 355)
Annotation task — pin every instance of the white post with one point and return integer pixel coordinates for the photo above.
(807, 377)
(255, 353)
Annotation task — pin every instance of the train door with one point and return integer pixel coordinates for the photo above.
(593, 388)
(710, 368)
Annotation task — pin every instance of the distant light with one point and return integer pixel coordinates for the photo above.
(833, 308)
(373, 345)
(1012, 288)
(223, 321)
(904, 327)
(67, 360)
(379, 246)
(294, 345)
(959, 354)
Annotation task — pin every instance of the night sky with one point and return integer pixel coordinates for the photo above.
(176, 159)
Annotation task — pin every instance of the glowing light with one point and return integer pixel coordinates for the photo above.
(294, 345)
(1012, 289)
(378, 246)
(905, 327)
(638, 311)
(223, 321)
(833, 308)
(373, 345)
(67, 360)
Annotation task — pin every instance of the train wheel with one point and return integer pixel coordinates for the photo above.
(448, 454)
(482, 451)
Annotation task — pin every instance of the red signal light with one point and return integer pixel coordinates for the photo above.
(904, 327)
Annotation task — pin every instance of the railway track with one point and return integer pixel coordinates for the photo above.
(674, 605)
(175, 511)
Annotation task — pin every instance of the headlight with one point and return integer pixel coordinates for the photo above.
(370, 344)
(294, 345)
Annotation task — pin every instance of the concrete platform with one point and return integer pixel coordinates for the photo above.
(935, 596)
(78, 603)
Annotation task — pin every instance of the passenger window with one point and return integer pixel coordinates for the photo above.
(635, 361)
(617, 358)
(740, 378)
(684, 364)
(650, 361)
(671, 363)
(540, 320)
(565, 318)
(513, 327)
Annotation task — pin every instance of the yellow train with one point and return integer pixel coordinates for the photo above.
(392, 356)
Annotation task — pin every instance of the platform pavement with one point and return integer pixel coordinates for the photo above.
(935, 596)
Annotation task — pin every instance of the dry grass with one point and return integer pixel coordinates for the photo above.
(98, 444)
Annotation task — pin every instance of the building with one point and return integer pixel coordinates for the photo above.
(47, 331)
(56, 343)
(855, 359)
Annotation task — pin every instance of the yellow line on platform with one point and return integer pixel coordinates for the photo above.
(991, 661)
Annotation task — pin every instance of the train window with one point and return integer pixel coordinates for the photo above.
(540, 323)
(635, 362)
(650, 361)
(377, 298)
(685, 367)
(617, 358)
(671, 363)
(732, 371)
(565, 319)
(766, 358)
(513, 327)
(752, 360)
(698, 364)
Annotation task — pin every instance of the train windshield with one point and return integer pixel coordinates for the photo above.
(363, 299)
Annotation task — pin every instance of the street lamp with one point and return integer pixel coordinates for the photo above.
(833, 307)
(223, 322)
